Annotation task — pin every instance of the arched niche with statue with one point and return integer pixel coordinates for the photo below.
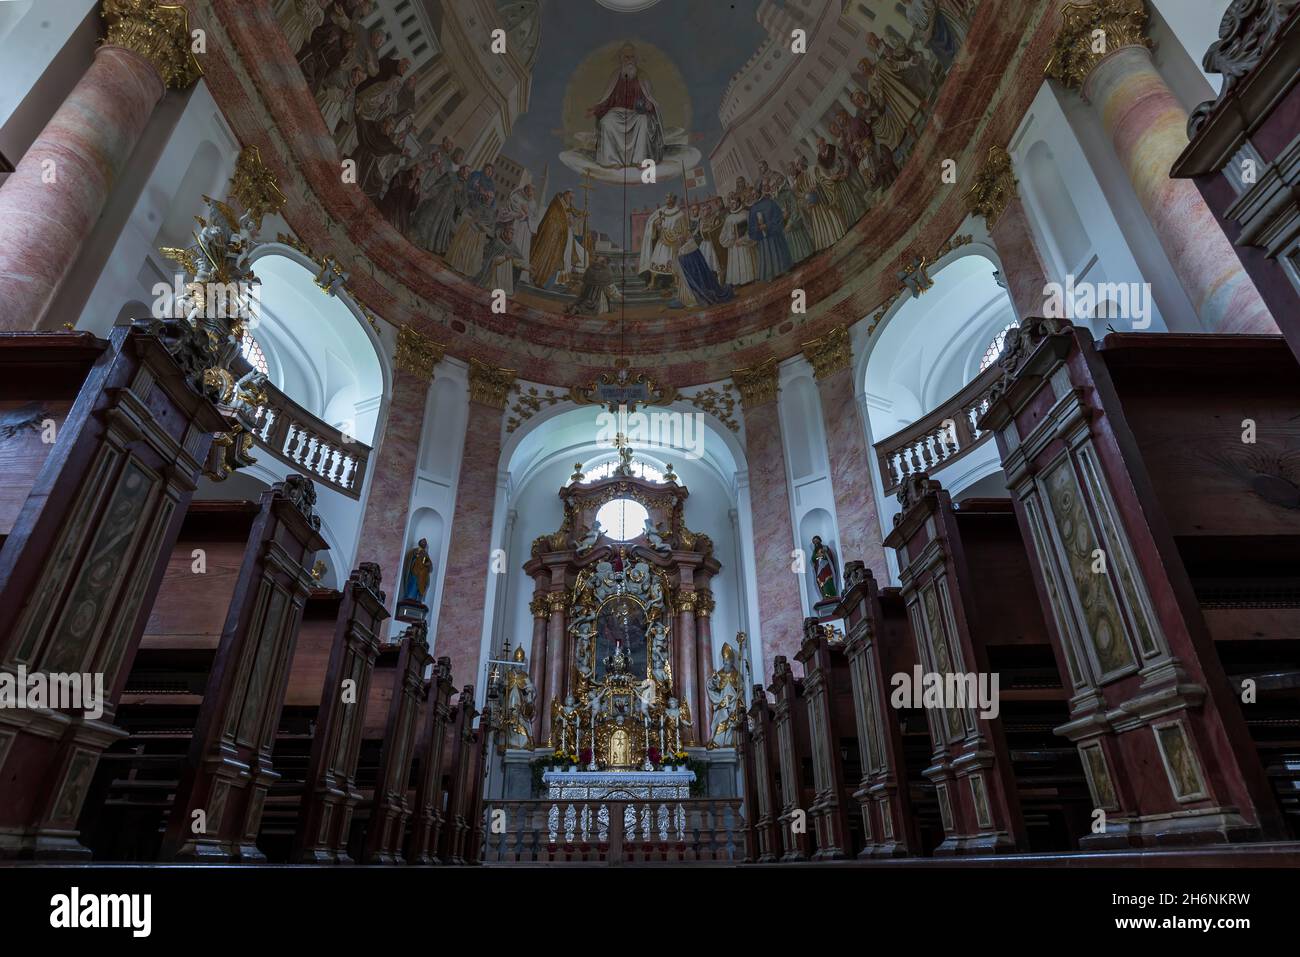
(622, 633)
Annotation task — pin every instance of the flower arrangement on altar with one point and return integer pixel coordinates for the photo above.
(679, 758)
(562, 759)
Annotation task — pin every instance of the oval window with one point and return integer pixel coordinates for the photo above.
(622, 519)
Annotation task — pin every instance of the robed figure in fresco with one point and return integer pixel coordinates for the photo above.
(629, 129)
(556, 247)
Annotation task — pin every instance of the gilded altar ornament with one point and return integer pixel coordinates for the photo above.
(416, 571)
(417, 353)
(758, 384)
(577, 477)
(159, 32)
(1091, 31)
(726, 694)
(488, 384)
(622, 389)
(719, 403)
(995, 186)
(829, 354)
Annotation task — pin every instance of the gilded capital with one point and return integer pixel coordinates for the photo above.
(829, 354)
(417, 353)
(159, 32)
(1091, 31)
(686, 601)
(488, 384)
(704, 603)
(995, 186)
(758, 384)
(539, 606)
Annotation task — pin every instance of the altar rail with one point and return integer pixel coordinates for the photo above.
(938, 439)
(614, 832)
(300, 439)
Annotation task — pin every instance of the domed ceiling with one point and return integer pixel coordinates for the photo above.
(547, 183)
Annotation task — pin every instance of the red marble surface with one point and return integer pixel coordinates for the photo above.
(263, 95)
(855, 498)
(1148, 126)
(392, 475)
(464, 586)
(1022, 264)
(780, 610)
(50, 202)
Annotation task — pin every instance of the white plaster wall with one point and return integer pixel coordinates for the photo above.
(1185, 29)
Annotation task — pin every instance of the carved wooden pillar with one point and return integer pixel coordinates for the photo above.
(876, 651)
(429, 818)
(228, 773)
(970, 765)
(85, 556)
(537, 654)
(763, 806)
(391, 807)
(1162, 738)
(703, 660)
(464, 767)
(790, 718)
(331, 794)
(687, 682)
(823, 665)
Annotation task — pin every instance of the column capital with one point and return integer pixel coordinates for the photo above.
(1090, 32)
(557, 601)
(488, 384)
(758, 384)
(686, 601)
(159, 32)
(540, 606)
(995, 186)
(417, 353)
(829, 354)
(704, 603)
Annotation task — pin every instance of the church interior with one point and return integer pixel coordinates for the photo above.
(766, 433)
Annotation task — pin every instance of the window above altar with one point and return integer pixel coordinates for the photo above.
(650, 471)
(622, 519)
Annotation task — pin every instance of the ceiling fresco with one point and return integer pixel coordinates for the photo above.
(442, 150)
(624, 159)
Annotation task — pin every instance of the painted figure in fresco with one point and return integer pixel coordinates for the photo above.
(700, 278)
(557, 249)
(500, 259)
(825, 225)
(599, 291)
(521, 210)
(793, 221)
(823, 563)
(666, 230)
(436, 217)
(742, 256)
(628, 126)
(767, 230)
(415, 573)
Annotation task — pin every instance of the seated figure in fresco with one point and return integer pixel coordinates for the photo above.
(628, 125)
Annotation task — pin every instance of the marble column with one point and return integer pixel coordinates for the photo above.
(541, 728)
(995, 197)
(704, 661)
(1148, 128)
(58, 190)
(464, 589)
(780, 609)
(849, 456)
(557, 654)
(686, 681)
(393, 464)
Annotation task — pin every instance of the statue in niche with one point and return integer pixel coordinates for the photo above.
(520, 701)
(727, 700)
(823, 562)
(655, 537)
(416, 570)
(584, 633)
(564, 721)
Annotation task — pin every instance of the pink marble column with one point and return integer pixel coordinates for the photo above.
(50, 202)
(556, 657)
(392, 476)
(703, 662)
(464, 589)
(848, 454)
(780, 610)
(537, 670)
(1148, 128)
(687, 681)
(1022, 264)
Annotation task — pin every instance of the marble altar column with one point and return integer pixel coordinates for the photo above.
(557, 654)
(995, 197)
(849, 456)
(537, 669)
(393, 464)
(687, 680)
(1148, 128)
(51, 201)
(780, 609)
(704, 661)
(464, 589)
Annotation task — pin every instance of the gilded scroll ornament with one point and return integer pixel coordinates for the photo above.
(995, 186)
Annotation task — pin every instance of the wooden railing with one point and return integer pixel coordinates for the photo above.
(940, 438)
(298, 438)
(664, 830)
